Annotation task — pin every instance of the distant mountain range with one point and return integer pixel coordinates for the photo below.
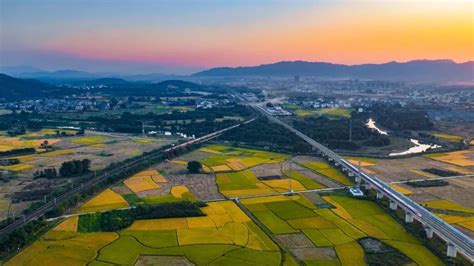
(13, 88)
(418, 70)
(17, 89)
(68, 75)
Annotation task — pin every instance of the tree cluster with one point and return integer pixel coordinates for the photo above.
(75, 167)
(46, 173)
(263, 133)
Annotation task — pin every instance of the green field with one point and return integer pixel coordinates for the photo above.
(90, 140)
(307, 111)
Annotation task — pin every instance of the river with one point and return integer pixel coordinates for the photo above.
(418, 148)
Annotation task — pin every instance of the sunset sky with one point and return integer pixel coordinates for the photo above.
(183, 36)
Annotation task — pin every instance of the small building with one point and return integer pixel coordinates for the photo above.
(356, 192)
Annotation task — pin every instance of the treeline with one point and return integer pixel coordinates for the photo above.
(396, 117)
(9, 161)
(115, 220)
(132, 123)
(18, 152)
(339, 133)
(21, 237)
(264, 133)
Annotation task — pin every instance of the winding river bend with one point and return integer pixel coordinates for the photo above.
(418, 148)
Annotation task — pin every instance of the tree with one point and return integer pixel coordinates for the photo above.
(194, 166)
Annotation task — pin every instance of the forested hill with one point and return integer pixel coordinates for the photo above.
(18, 89)
(14, 89)
(418, 70)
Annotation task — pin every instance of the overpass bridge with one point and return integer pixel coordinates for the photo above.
(455, 239)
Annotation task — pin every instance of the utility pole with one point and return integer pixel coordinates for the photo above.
(290, 189)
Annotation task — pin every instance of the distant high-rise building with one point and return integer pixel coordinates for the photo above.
(297, 79)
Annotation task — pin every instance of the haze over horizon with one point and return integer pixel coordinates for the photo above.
(182, 38)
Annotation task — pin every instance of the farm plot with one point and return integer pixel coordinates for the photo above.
(328, 171)
(226, 158)
(107, 200)
(452, 213)
(334, 230)
(90, 140)
(10, 143)
(177, 193)
(225, 235)
(145, 180)
(458, 158)
(64, 249)
(245, 182)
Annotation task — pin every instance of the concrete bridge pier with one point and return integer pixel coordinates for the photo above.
(429, 232)
(408, 217)
(452, 250)
(358, 178)
(393, 205)
(380, 195)
(351, 174)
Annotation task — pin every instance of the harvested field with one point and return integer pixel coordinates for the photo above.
(297, 240)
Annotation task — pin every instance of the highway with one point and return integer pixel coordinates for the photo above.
(95, 179)
(451, 235)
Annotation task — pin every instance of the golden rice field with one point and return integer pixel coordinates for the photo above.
(423, 173)
(459, 158)
(145, 180)
(68, 225)
(448, 137)
(221, 168)
(17, 167)
(140, 183)
(447, 205)
(106, 200)
(401, 189)
(67, 249)
(178, 191)
(463, 221)
(10, 143)
(327, 170)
